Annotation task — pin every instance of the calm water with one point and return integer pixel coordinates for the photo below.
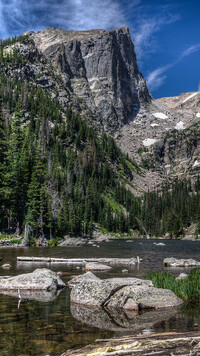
(41, 328)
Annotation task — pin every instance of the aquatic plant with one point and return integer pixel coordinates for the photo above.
(188, 289)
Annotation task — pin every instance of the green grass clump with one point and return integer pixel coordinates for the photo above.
(188, 289)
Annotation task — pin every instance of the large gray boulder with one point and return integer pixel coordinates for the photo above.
(40, 279)
(142, 297)
(122, 293)
(174, 262)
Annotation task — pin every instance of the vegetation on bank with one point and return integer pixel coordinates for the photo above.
(187, 289)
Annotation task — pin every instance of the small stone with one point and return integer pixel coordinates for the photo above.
(182, 276)
(124, 271)
(6, 266)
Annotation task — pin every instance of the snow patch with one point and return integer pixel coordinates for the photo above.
(148, 142)
(160, 115)
(88, 55)
(153, 125)
(196, 163)
(198, 114)
(179, 125)
(190, 97)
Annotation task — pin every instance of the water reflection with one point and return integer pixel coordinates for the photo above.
(39, 295)
(119, 320)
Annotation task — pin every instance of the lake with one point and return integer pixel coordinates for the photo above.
(40, 328)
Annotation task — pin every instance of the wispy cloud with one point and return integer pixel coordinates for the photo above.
(18, 16)
(190, 50)
(157, 77)
(146, 29)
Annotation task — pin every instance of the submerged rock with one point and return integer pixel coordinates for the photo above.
(174, 262)
(40, 279)
(73, 242)
(93, 266)
(122, 293)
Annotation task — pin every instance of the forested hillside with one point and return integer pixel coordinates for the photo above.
(60, 175)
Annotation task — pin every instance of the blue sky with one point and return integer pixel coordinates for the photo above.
(166, 34)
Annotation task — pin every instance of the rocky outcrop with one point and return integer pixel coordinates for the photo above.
(174, 262)
(122, 293)
(100, 68)
(40, 279)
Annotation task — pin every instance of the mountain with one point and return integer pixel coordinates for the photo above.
(82, 141)
(99, 68)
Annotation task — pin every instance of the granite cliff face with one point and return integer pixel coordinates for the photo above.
(100, 69)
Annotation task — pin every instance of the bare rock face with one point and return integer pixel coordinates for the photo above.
(40, 279)
(100, 68)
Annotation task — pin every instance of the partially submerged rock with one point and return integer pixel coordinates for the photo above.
(123, 293)
(174, 262)
(96, 292)
(93, 266)
(40, 279)
(142, 297)
(6, 266)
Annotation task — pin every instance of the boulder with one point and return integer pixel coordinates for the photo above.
(89, 276)
(123, 293)
(93, 266)
(174, 262)
(142, 297)
(40, 279)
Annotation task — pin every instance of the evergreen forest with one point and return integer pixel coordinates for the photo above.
(59, 175)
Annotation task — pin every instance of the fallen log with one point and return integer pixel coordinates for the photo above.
(79, 261)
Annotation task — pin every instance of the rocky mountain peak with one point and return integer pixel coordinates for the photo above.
(99, 68)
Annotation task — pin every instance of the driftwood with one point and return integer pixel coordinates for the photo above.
(156, 344)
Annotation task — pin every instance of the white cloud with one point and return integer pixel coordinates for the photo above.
(190, 50)
(157, 77)
(145, 29)
(22, 15)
